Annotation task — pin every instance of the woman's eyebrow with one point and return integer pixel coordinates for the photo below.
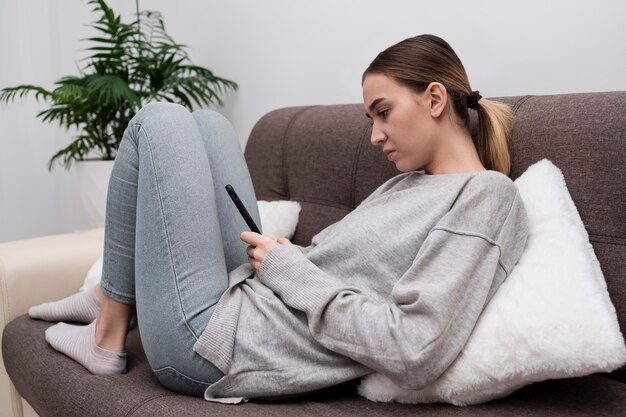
(372, 106)
(375, 102)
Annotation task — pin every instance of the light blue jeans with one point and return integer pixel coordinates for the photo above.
(172, 233)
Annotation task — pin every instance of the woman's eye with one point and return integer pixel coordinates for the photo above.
(383, 114)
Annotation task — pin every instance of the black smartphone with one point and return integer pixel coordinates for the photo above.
(242, 209)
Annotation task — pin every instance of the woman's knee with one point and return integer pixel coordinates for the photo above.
(216, 130)
(161, 113)
(214, 121)
(172, 114)
(211, 116)
(161, 122)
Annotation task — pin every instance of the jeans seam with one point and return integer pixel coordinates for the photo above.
(182, 375)
(167, 235)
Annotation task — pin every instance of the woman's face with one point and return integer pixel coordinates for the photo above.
(402, 122)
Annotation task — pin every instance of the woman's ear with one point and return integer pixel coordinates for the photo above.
(438, 97)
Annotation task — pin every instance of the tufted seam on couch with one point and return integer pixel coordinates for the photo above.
(355, 167)
(325, 203)
(611, 240)
(515, 109)
(145, 401)
(283, 141)
(520, 102)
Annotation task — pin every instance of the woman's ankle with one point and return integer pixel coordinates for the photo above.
(112, 324)
(111, 338)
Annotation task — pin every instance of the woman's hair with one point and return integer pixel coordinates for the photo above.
(416, 62)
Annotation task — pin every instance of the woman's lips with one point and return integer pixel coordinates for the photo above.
(390, 155)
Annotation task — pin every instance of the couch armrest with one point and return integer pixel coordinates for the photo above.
(33, 271)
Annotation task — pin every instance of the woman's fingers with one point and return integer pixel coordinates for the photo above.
(251, 238)
(250, 251)
(260, 246)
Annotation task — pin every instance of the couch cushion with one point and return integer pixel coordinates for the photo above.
(57, 386)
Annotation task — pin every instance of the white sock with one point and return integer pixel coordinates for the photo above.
(81, 307)
(79, 343)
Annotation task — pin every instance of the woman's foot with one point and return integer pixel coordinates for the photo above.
(82, 307)
(79, 343)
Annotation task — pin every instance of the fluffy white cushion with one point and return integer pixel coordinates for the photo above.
(278, 219)
(551, 318)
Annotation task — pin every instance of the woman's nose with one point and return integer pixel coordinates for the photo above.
(378, 136)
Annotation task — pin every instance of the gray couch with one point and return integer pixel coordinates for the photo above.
(321, 157)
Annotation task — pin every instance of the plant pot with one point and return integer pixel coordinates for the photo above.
(93, 179)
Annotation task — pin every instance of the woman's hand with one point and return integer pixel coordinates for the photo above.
(260, 246)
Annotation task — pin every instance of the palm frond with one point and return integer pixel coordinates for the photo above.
(76, 150)
(110, 90)
(128, 65)
(11, 93)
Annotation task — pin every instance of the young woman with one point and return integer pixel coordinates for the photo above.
(395, 287)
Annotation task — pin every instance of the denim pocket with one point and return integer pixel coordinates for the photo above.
(180, 383)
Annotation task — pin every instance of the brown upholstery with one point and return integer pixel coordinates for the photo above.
(321, 157)
(57, 386)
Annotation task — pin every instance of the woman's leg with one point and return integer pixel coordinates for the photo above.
(228, 166)
(197, 229)
(186, 238)
(171, 235)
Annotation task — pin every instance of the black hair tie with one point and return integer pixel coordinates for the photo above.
(472, 100)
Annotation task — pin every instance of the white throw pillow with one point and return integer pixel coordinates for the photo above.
(278, 219)
(551, 318)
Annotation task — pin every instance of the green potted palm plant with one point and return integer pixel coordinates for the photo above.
(130, 65)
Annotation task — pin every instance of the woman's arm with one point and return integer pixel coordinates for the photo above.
(415, 334)
(261, 245)
(415, 338)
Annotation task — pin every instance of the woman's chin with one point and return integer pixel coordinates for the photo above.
(406, 168)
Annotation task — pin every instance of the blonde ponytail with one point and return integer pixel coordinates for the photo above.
(495, 121)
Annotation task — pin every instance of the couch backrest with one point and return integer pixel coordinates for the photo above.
(321, 156)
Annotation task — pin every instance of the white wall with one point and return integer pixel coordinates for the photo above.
(285, 53)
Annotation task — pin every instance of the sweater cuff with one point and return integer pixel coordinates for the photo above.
(296, 280)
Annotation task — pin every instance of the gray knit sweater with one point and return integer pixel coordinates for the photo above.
(396, 286)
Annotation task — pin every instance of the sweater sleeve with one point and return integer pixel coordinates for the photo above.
(413, 340)
(436, 304)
